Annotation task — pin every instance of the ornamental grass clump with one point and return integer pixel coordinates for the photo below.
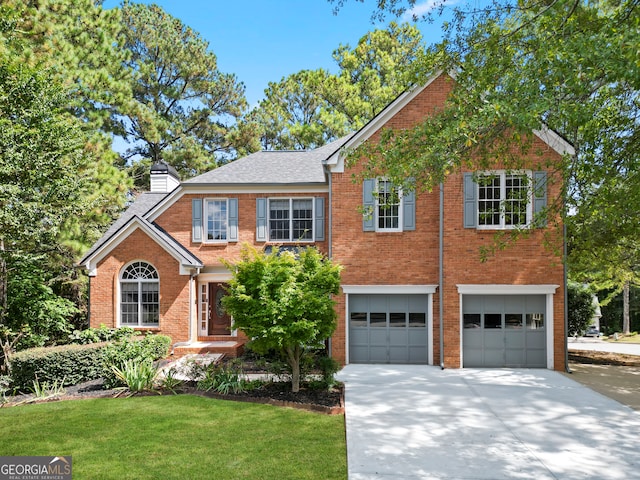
(138, 375)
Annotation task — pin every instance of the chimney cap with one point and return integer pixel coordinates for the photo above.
(160, 168)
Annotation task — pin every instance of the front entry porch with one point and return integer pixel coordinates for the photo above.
(222, 344)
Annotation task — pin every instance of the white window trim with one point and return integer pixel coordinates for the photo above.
(503, 188)
(291, 240)
(205, 232)
(377, 208)
(119, 298)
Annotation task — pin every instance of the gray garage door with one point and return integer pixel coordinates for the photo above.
(388, 328)
(504, 331)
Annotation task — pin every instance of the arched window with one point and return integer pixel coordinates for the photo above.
(139, 295)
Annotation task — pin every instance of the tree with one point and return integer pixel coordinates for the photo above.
(580, 308)
(524, 66)
(183, 107)
(282, 301)
(87, 75)
(313, 107)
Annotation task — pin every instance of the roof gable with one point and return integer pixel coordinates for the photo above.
(183, 256)
(337, 158)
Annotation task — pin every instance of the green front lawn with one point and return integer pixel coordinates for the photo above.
(182, 437)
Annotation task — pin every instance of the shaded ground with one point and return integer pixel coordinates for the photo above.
(616, 376)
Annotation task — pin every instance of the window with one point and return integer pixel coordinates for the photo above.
(291, 219)
(216, 220)
(139, 295)
(388, 207)
(504, 200)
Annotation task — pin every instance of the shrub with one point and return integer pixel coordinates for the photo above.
(151, 347)
(222, 379)
(102, 334)
(138, 375)
(64, 364)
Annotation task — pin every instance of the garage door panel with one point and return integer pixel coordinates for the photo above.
(514, 339)
(418, 354)
(417, 337)
(515, 357)
(535, 338)
(395, 330)
(536, 358)
(504, 330)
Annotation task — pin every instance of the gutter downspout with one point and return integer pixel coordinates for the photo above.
(441, 275)
(329, 237)
(566, 300)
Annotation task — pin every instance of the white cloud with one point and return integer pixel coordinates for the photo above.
(424, 8)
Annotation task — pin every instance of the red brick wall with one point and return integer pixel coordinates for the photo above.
(410, 258)
(177, 221)
(174, 288)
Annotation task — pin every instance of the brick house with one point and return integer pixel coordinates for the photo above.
(410, 263)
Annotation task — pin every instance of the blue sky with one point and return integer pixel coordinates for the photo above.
(262, 41)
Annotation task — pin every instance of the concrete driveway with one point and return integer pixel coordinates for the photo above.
(420, 422)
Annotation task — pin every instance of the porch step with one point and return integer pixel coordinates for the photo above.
(230, 348)
(219, 338)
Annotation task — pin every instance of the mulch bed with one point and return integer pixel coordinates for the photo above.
(275, 393)
(603, 358)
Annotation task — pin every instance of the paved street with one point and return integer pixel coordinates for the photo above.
(589, 343)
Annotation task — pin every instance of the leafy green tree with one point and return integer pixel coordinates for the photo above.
(295, 114)
(75, 40)
(313, 107)
(524, 66)
(580, 308)
(184, 107)
(282, 301)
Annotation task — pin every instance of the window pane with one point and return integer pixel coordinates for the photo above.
(358, 319)
(471, 320)
(417, 319)
(279, 220)
(388, 205)
(492, 320)
(378, 319)
(216, 219)
(513, 320)
(489, 200)
(302, 219)
(397, 319)
(535, 321)
(516, 199)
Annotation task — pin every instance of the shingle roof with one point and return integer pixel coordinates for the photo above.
(273, 168)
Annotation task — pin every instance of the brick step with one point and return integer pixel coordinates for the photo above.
(230, 348)
(219, 338)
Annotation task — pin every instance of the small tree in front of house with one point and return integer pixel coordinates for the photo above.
(282, 301)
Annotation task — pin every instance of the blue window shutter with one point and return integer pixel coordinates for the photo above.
(196, 220)
(409, 210)
(261, 219)
(539, 197)
(319, 220)
(369, 205)
(232, 234)
(470, 201)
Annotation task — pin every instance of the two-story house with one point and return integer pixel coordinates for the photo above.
(414, 287)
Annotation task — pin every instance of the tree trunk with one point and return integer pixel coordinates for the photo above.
(293, 355)
(626, 324)
(3, 283)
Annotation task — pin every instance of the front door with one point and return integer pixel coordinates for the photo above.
(219, 321)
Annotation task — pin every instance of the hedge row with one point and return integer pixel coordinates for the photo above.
(73, 364)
